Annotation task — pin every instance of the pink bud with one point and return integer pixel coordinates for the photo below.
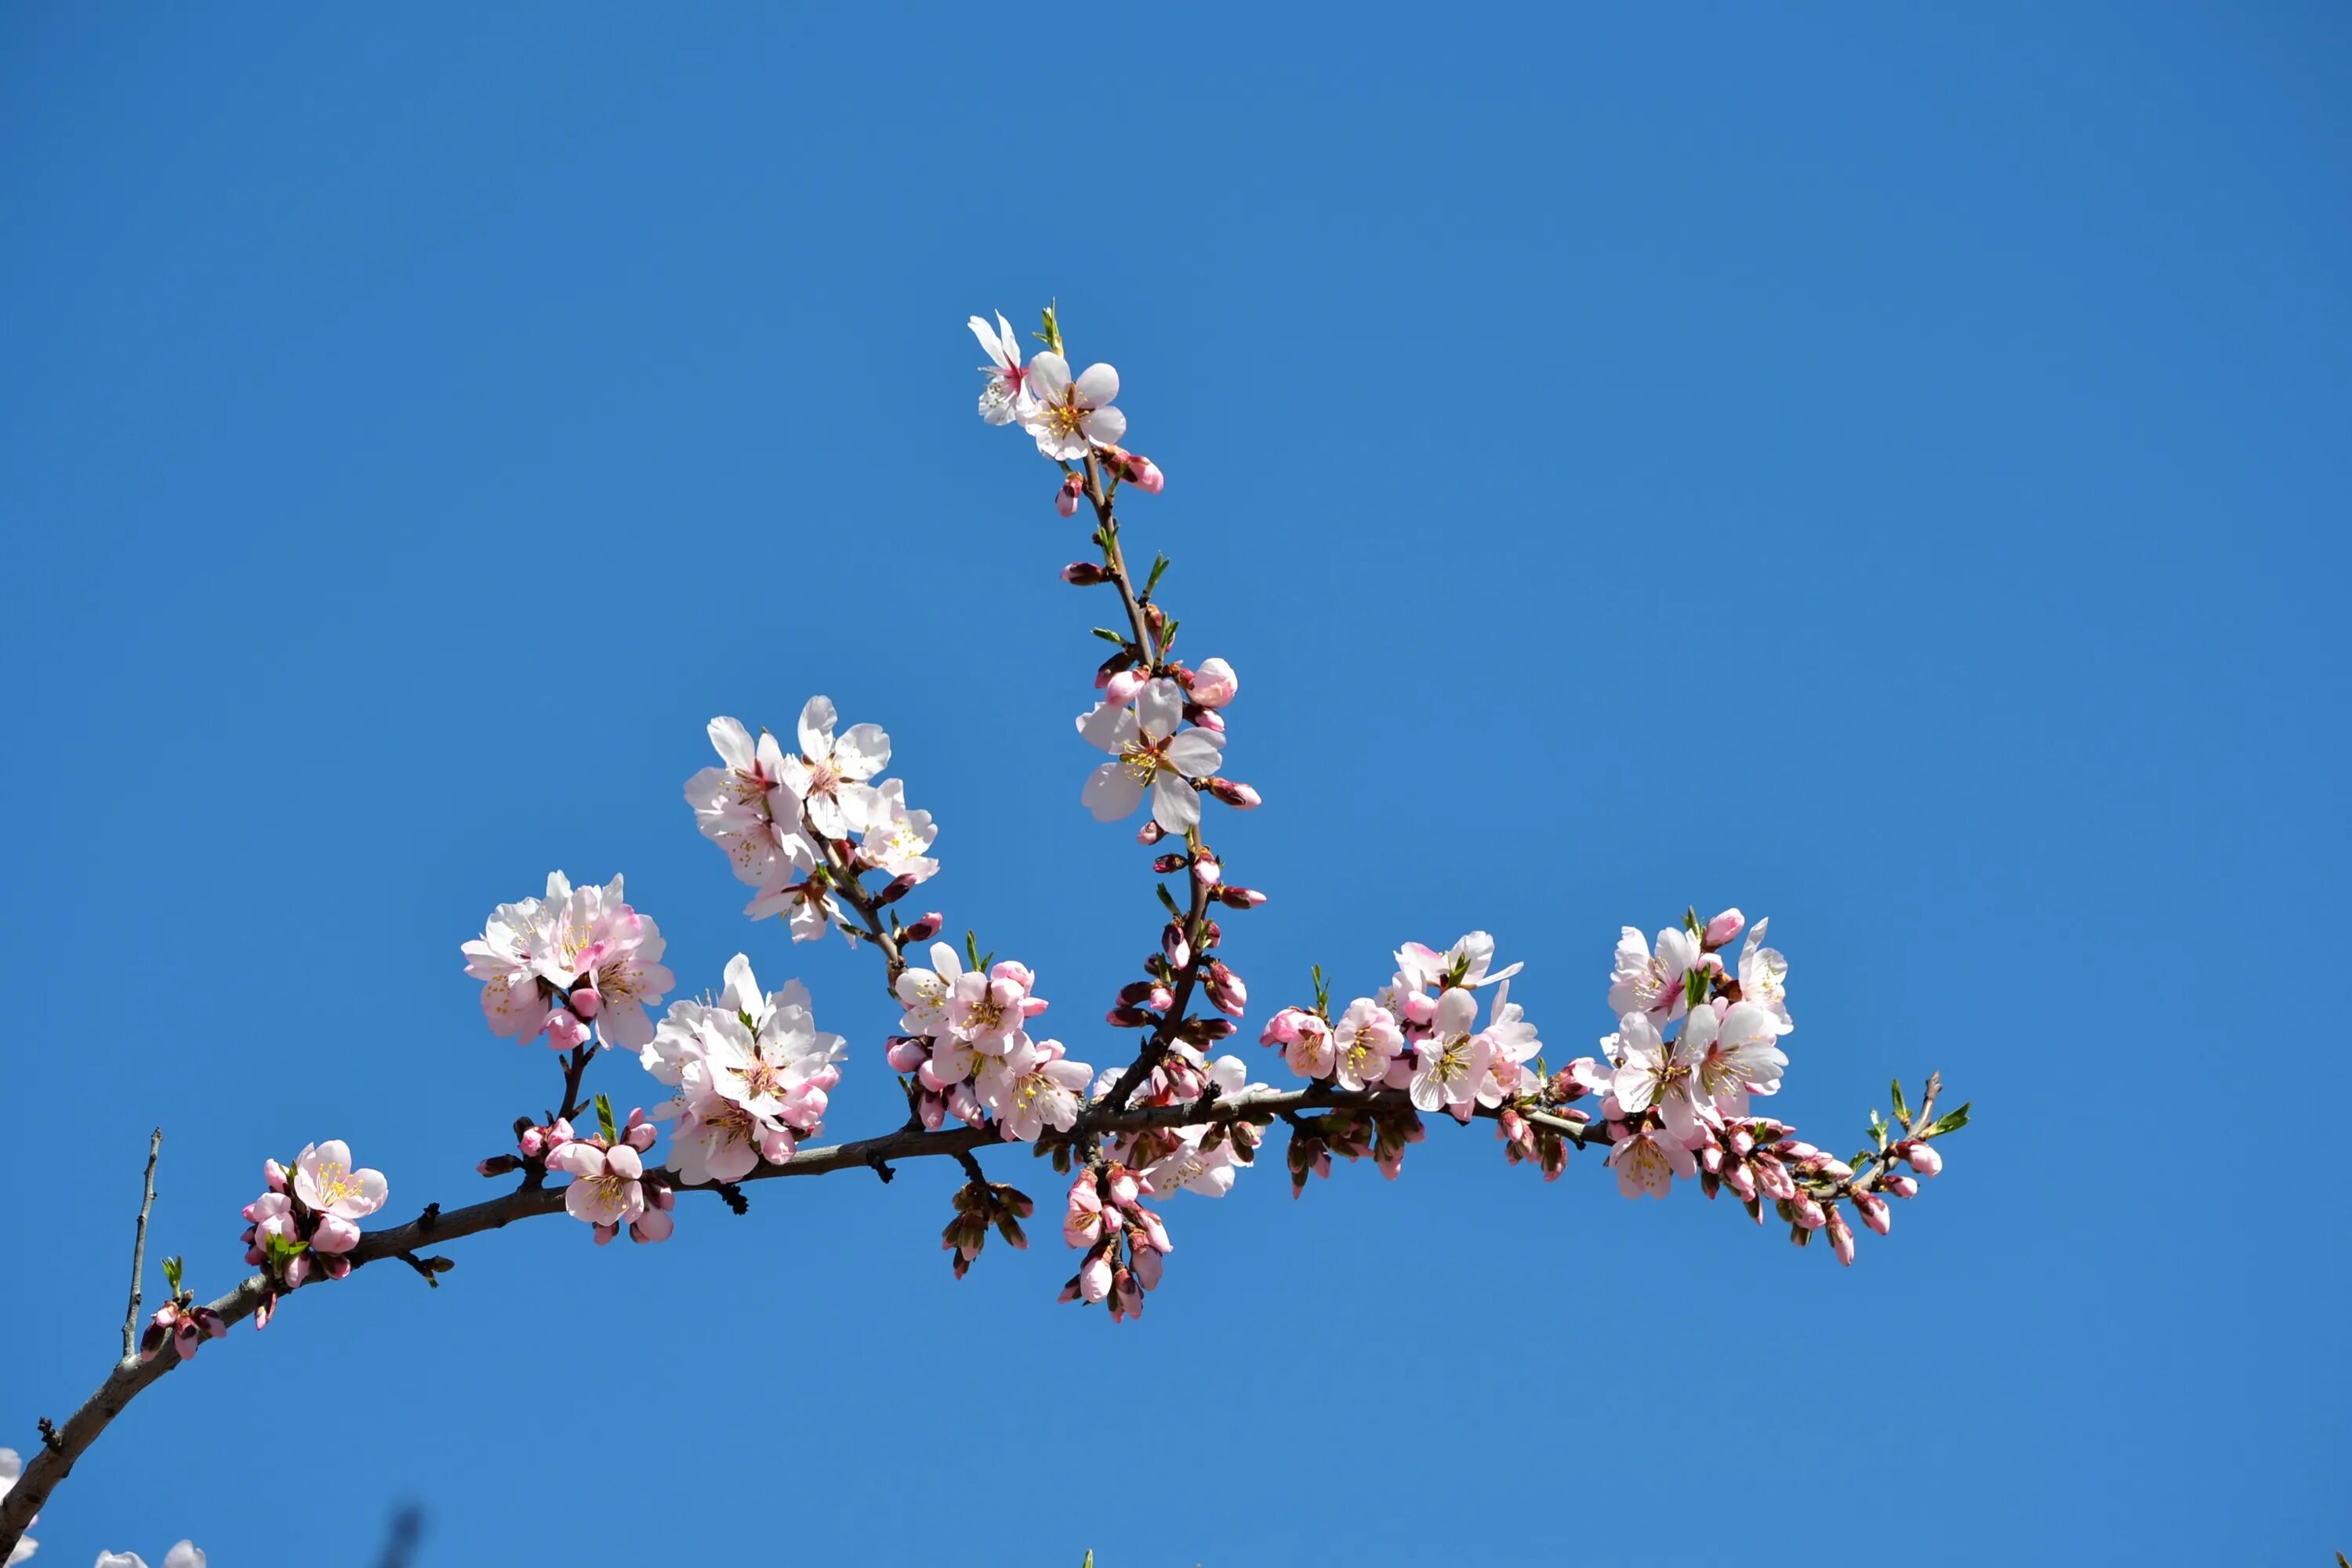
(1206, 869)
(298, 1270)
(1161, 999)
(906, 1053)
(1207, 718)
(604, 1233)
(1150, 833)
(1174, 948)
(274, 1174)
(1809, 1211)
(533, 1142)
(1923, 1158)
(339, 1267)
(1084, 573)
(1840, 1238)
(1899, 1186)
(1873, 1211)
(1240, 796)
(1236, 898)
(641, 1135)
(1065, 500)
(564, 1032)
(335, 1233)
(1120, 689)
(654, 1225)
(1215, 684)
(927, 928)
(1149, 1266)
(1095, 1277)
(1722, 928)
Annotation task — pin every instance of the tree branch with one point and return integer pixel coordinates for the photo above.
(139, 1246)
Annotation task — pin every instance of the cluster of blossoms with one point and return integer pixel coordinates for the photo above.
(611, 1189)
(752, 1073)
(558, 965)
(1421, 1034)
(792, 827)
(1696, 1040)
(307, 1221)
(1125, 1244)
(969, 1050)
(1071, 417)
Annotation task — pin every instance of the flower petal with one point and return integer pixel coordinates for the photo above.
(1098, 387)
(1105, 426)
(1174, 804)
(1049, 376)
(1112, 792)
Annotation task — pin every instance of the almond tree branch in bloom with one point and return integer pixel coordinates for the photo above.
(746, 1078)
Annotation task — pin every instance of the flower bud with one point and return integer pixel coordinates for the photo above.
(1239, 898)
(1722, 928)
(1129, 1019)
(1174, 948)
(1083, 574)
(497, 1165)
(274, 1174)
(1165, 865)
(1873, 1211)
(298, 1270)
(1227, 993)
(1095, 1277)
(1922, 1157)
(1207, 869)
(1120, 689)
(1840, 1238)
(1134, 468)
(1065, 500)
(1899, 1186)
(654, 1225)
(927, 928)
(339, 1267)
(564, 1032)
(1241, 797)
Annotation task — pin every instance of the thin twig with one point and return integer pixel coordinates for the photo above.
(138, 1248)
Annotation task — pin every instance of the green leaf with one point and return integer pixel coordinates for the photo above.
(1901, 1107)
(972, 951)
(1691, 921)
(1168, 899)
(1950, 1122)
(172, 1274)
(1168, 637)
(1052, 336)
(605, 1122)
(1109, 636)
(1695, 987)
(1159, 565)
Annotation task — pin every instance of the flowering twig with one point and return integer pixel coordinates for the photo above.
(139, 1245)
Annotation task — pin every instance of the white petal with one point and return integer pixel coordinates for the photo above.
(1107, 728)
(1174, 805)
(1098, 387)
(1160, 708)
(1112, 792)
(1195, 752)
(992, 345)
(1049, 376)
(817, 726)
(1105, 426)
(733, 743)
(863, 752)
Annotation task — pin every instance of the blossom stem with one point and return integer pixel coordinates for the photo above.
(139, 1246)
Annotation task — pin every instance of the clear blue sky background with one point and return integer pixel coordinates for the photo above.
(1881, 467)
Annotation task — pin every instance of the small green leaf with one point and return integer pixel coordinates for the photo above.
(172, 1274)
(1695, 987)
(1901, 1107)
(605, 1122)
(1168, 637)
(1159, 565)
(1168, 899)
(972, 951)
(1109, 636)
(1052, 336)
(1690, 920)
(1950, 1122)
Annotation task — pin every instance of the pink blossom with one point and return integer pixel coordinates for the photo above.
(326, 1182)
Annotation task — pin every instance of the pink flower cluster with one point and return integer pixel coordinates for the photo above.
(968, 1046)
(1126, 1245)
(753, 1073)
(558, 965)
(184, 1325)
(611, 1187)
(1421, 1034)
(772, 814)
(307, 1221)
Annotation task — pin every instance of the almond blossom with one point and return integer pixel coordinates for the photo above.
(1764, 976)
(1032, 1087)
(1364, 1043)
(1647, 1162)
(1642, 982)
(1450, 1065)
(1071, 417)
(897, 840)
(745, 809)
(1732, 1055)
(1150, 751)
(1652, 1073)
(829, 775)
(1005, 398)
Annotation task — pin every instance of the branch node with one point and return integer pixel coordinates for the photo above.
(49, 1439)
(431, 1267)
(428, 1219)
(732, 1196)
(881, 1166)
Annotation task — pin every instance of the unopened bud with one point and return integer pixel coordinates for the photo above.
(1083, 574)
(1065, 500)
(1873, 1211)
(1135, 468)
(497, 1165)
(1151, 833)
(1174, 948)
(1166, 864)
(1922, 1157)
(275, 1175)
(1207, 871)
(1239, 796)
(1899, 1186)
(1126, 1017)
(1120, 689)
(1840, 1238)
(1722, 928)
(1236, 898)
(927, 928)
(898, 889)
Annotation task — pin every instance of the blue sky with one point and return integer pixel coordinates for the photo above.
(1882, 469)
